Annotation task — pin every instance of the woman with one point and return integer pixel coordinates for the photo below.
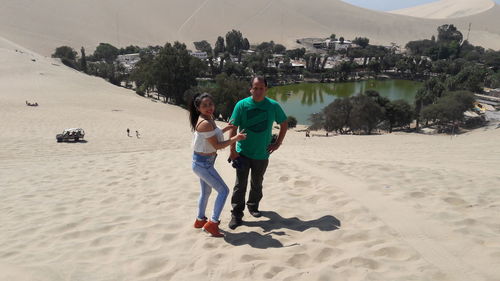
(208, 138)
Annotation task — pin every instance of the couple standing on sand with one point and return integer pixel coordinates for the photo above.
(250, 150)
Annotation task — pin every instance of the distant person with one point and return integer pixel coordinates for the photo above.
(128, 132)
(208, 138)
(255, 114)
(137, 134)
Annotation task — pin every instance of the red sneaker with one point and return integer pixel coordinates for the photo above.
(212, 228)
(199, 223)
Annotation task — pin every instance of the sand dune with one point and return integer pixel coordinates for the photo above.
(446, 9)
(44, 25)
(392, 207)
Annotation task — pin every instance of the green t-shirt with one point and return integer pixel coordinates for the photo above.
(257, 119)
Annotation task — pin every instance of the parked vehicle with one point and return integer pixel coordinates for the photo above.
(73, 134)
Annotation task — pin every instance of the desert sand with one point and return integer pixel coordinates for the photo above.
(445, 9)
(44, 25)
(388, 207)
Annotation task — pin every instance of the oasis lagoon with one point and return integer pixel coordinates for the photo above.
(302, 100)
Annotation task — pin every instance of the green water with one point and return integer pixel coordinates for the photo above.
(301, 100)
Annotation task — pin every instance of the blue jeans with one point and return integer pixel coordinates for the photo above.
(203, 167)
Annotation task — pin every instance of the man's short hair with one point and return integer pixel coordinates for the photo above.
(259, 78)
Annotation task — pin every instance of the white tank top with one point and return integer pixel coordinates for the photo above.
(200, 143)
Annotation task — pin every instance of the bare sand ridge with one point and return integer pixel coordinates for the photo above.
(44, 25)
(446, 9)
(391, 207)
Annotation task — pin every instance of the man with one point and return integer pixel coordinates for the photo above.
(256, 115)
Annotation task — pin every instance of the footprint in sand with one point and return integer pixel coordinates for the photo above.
(359, 262)
(247, 258)
(325, 255)
(153, 265)
(284, 178)
(417, 194)
(395, 253)
(298, 260)
(495, 255)
(454, 201)
(299, 183)
(273, 271)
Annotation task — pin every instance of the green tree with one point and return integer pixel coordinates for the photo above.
(398, 113)
(376, 97)
(450, 108)
(279, 49)
(470, 78)
(235, 43)
(366, 114)
(67, 56)
(492, 59)
(142, 74)
(431, 91)
(267, 47)
(257, 62)
(246, 44)
(204, 46)
(317, 121)
(129, 50)
(337, 115)
(83, 61)
(361, 41)
(292, 122)
(228, 91)
(420, 47)
(374, 66)
(345, 69)
(231, 68)
(449, 33)
(174, 71)
(493, 80)
(220, 47)
(65, 52)
(109, 71)
(296, 53)
(106, 52)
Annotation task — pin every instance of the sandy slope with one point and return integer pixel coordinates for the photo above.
(446, 9)
(392, 207)
(45, 25)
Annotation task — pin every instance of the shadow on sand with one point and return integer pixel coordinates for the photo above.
(275, 222)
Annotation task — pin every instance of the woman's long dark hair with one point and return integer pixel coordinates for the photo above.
(194, 113)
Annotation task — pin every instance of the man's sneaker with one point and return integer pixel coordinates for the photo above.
(212, 228)
(199, 223)
(255, 213)
(235, 222)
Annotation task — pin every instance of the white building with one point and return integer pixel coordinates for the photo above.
(338, 45)
(128, 60)
(333, 44)
(200, 55)
(298, 63)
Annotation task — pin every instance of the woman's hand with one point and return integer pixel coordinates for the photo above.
(241, 135)
(229, 126)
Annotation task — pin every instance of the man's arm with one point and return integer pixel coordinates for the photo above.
(233, 154)
(283, 129)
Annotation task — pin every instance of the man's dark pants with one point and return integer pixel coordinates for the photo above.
(257, 169)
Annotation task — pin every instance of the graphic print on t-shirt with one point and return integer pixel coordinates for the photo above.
(257, 120)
